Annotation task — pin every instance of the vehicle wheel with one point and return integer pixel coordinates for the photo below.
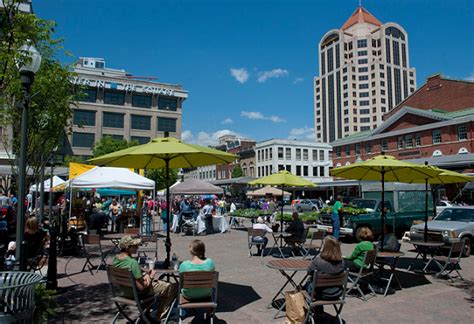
(467, 246)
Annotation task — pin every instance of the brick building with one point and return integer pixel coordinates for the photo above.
(435, 124)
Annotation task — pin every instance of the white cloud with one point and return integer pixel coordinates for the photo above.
(227, 121)
(470, 77)
(240, 75)
(306, 133)
(256, 115)
(298, 80)
(204, 138)
(275, 73)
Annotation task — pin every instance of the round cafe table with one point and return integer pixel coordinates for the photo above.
(115, 239)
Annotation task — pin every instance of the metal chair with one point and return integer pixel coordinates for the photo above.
(188, 223)
(322, 281)
(198, 280)
(314, 245)
(364, 273)
(299, 245)
(93, 249)
(448, 264)
(260, 244)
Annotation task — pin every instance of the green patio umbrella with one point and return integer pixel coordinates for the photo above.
(168, 153)
(443, 177)
(384, 168)
(282, 179)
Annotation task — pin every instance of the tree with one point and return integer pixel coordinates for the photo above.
(237, 172)
(109, 144)
(159, 176)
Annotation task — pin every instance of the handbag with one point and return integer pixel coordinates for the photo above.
(296, 307)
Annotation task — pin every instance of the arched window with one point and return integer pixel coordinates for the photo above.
(329, 40)
(395, 33)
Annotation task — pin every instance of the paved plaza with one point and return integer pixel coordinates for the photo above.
(246, 287)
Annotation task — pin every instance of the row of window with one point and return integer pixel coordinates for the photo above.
(116, 120)
(300, 170)
(114, 97)
(285, 154)
(87, 140)
(405, 141)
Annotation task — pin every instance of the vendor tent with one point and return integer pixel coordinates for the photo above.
(56, 181)
(110, 177)
(196, 187)
(268, 191)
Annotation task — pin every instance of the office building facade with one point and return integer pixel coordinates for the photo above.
(364, 72)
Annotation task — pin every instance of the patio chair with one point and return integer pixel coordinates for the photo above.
(327, 280)
(93, 249)
(315, 243)
(149, 245)
(188, 224)
(251, 233)
(364, 273)
(450, 263)
(299, 245)
(198, 279)
(120, 279)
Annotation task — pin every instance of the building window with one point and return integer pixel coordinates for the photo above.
(298, 170)
(141, 122)
(288, 168)
(140, 139)
(280, 153)
(348, 150)
(364, 103)
(305, 155)
(167, 103)
(363, 69)
(270, 153)
(88, 95)
(400, 142)
(357, 149)
(83, 139)
(364, 86)
(142, 101)
(288, 153)
(361, 43)
(365, 120)
(408, 141)
(315, 171)
(436, 136)
(321, 172)
(315, 155)
(321, 155)
(305, 171)
(114, 120)
(384, 145)
(362, 61)
(114, 97)
(84, 117)
(167, 125)
(363, 77)
(338, 151)
(417, 139)
(462, 132)
(266, 154)
(363, 94)
(298, 154)
(368, 147)
(364, 111)
(281, 167)
(361, 53)
(258, 156)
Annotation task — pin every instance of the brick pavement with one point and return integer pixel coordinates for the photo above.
(247, 286)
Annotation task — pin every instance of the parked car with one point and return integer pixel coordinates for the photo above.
(454, 223)
(442, 205)
(305, 205)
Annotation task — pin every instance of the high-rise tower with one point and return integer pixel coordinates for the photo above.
(364, 72)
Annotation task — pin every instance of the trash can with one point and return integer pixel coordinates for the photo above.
(17, 296)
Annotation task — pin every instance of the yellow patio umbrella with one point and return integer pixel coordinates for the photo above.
(165, 153)
(443, 177)
(283, 179)
(384, 168)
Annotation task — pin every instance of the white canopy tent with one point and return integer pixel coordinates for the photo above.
(56, 182)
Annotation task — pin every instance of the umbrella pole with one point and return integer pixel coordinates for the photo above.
(383, 210)
(281, 218)
(168, 240)
(425, 233)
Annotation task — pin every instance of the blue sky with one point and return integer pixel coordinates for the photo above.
(249, 64)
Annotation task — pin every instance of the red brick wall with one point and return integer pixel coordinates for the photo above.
(408, 121)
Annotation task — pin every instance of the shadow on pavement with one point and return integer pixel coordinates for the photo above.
(231, 297)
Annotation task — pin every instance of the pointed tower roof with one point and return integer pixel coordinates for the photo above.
(361, 15)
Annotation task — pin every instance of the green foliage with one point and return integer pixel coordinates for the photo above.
(109, 144)
(237, 172)
(45, 303)
(159, 176)
(254, 213)
(347, 210)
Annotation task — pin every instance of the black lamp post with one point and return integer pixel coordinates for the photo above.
(27, 74)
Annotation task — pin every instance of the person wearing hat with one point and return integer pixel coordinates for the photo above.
(260, 224)
(144, 281)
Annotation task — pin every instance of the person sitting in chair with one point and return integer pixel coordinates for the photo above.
(356, 260)
(260, 224)
(146, 285)
(390, 241)
(296, 229)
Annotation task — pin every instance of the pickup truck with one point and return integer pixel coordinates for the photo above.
(350, 224)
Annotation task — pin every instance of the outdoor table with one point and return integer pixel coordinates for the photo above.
(423, 248)
(288, 268)
(115, 239)
(219, 224)
(390, 259)
(279, 236)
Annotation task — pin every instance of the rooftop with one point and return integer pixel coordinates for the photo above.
(361, 15)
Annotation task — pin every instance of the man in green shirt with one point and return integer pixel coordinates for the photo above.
(336, 222)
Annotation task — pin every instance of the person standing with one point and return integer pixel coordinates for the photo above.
(336, 212)
(207, 211)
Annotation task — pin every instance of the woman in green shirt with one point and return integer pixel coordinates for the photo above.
(198, 262)
(356, 260)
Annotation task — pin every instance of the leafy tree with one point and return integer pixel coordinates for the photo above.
(109, 144)
(237, 172)
(159, 176)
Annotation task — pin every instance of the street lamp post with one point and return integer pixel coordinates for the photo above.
(27, 74)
